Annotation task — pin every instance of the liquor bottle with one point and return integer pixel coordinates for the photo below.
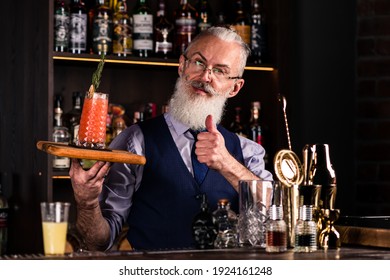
(255, 132)
(60, 135)
(71, 119)
(61, 26)
(203, 229)
(225, 221)
(123, 30)
(118, 125)
(150, 110)
(242, 23)
(305, 230)
(276, 231)
(142, 29)
(138, 116)
(78, 27)
(237, 126)
(163, 33)
(3, 220)
(58, 101)
(258, 33)
(205, 15)
(185, 24)
(102, 29)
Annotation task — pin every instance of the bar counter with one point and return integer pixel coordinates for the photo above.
(344, 253)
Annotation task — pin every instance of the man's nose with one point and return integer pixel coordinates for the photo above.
(206, 75)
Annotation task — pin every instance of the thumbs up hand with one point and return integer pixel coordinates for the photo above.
(210, 147)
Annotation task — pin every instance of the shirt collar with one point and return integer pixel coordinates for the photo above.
(178, 126)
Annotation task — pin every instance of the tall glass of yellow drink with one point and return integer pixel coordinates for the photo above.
(54, 226)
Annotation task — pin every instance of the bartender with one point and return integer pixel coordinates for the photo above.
(158, 200)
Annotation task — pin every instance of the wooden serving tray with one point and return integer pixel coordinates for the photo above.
(64, 150)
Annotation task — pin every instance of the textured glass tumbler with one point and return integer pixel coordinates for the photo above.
(92, 131)
(255, 197)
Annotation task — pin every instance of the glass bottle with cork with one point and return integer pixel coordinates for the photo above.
(255, 131)
(142, 29)
(237, 126)
(258, 33)
(78, 27)
(61, 26)
(122, 41)
(71, 119)
(242, 23)
(102, 29)
(225, 221)
(163, 33)
(60, 135)
(185, 24)
(205, 15)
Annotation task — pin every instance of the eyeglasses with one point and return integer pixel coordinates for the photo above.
(198, 66)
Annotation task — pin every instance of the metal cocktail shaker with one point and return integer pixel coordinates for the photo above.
(319, 170)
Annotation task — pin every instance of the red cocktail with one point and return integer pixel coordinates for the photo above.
(92, 131)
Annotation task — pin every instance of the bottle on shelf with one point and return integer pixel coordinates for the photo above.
(255, 132)
(305, 230)
(276, 231)
(142, 29)
(258, 33)
(123, 30)
(203, 229)
(225, 221)
(61, 26)
(60, 135)
(185, 24)
(138, 116)
(242, 23)
(71, 119)
(3, 220)
(78, 27)
(163, 33)
(237, 126)
(205, 15)
(102, 28)
(150, 110)
(118, 125)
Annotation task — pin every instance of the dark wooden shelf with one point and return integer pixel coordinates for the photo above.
(153, 61)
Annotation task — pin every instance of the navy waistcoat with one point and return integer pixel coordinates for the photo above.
(165, 203)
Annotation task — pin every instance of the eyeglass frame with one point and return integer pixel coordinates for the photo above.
(210, 71)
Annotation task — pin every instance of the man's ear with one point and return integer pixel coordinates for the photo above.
(182, 60)
(237, 87)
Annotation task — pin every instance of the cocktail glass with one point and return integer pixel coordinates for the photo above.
(54, 226)
(92, 131)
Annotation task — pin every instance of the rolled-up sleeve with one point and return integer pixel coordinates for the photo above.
(253, 154)
(122, 181)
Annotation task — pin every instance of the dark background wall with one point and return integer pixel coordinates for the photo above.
(333, 67)
(323, 85)
(372, 133)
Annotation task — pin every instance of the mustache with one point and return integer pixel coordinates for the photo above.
(206, 87)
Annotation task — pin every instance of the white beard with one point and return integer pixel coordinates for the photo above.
(192, 109)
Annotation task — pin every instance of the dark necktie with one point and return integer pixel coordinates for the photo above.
(200, 169)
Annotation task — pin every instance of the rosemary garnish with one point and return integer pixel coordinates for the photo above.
(96, 76)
